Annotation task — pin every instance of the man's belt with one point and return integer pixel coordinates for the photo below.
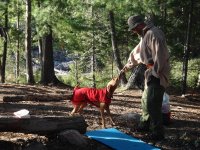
(149, 66)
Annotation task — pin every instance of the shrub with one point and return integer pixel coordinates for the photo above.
(192, 74)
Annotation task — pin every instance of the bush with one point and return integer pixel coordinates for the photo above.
(192, 75)
(102, 77)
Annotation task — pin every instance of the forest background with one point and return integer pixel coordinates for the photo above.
(94, 35)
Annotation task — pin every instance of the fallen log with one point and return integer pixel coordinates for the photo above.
(37, 97)
(42, 125)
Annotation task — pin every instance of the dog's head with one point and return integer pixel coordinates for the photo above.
(112, 85)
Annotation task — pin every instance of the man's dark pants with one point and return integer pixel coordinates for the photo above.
(151, 107)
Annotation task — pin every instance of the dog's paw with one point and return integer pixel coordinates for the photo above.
(70, 114)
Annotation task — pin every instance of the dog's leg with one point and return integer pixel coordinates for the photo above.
(84, 104)
(109, 114)
(101, 109)
(75, 110)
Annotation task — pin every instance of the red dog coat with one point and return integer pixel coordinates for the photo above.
(90, 95)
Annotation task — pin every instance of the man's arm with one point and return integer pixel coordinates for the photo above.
(133, 60)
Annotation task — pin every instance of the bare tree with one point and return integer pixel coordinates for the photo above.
(93, 59)
(187, 49)
(17, 51)
(29, 68)
(3, 65)
(115, 47)
(48, 74)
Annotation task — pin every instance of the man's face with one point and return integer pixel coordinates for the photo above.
(138, 30)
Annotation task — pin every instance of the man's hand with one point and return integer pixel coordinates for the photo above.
(125, 69)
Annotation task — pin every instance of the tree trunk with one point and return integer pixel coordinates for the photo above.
(42, 125)
(29, 68)
(17, 51)
(163, 9)
(76, 71)
(136, 79)
(186, 50)
(48, 74)
(3, 65)
(115, 48)
(40, 47)
(93, 59)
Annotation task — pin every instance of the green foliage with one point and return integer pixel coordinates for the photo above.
(22, 79)
(67, 79)
(37, 75)
(85, 79)
(80, 25)
(176, 74)
(193, 72)
(192, 76)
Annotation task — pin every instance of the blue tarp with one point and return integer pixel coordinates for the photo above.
(118, 140)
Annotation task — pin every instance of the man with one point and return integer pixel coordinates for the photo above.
(153, 52)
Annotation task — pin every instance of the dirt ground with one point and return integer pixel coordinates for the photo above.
(182, 134)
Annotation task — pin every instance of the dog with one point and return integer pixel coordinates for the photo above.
(100, 98)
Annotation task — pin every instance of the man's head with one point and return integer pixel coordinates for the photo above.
(136, 24)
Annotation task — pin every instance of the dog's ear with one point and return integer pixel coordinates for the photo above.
(110, 90)
(112, 85)
(77, 86)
